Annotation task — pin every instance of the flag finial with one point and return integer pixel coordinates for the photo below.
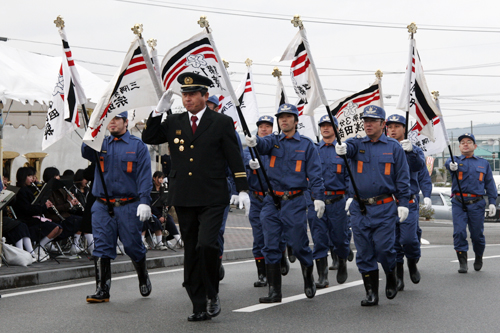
(248, 62)
(226, 63)
(297, 22)
(435, 94)
(203, 22)
(379, 74)
(152, 43)
(59, 22)
(276, 72)
(412, 28)
(137, 29)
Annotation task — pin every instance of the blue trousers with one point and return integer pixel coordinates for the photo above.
(337, 222)
(319, 230)
(125, 224)
(254, 217)
(290, 222)
(407, 241)
(374, 236)
(474, 218)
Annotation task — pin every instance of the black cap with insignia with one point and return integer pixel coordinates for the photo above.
(193, 82)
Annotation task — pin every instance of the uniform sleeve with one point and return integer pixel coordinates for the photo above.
(144, 184)
(425, 183)
(352, 145)
(155, 132)
(233, 154)
(314, 173)
(265, 144)
(88, 153)
(402, 176)
(490, 186)
(416, 159)
(447, 164)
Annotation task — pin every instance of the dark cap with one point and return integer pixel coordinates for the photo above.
(193, 82)
(467, 135)
(373, 111)
(396, 119)
(265, 119)
(326, 119)
(123, 115)
(287, 108)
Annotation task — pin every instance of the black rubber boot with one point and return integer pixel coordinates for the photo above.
(261, 272)
(370, 280)
(322, 268)
(222, 271)
(309, 285)
(142, 273)
(291, 256)
(350, 257)
(273, 272)
(103, 281)
(342, 271)
(414, 273)
(478, 263)
(400, 274)
(335, 261)
(285, 266)
(391, 289)
(462, 260)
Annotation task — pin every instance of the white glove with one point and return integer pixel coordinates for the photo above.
(402, 213)
(144, 212)
(407, 146)
(319, 207)
(244, 202)
(427, 203)
(341, 149)
(347, 204)
(254, 164)
(251, 141)
(164, 104)
(493, 210)
(453, 166)
(235, 199)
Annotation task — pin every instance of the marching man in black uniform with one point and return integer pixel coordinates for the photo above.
(201, 143)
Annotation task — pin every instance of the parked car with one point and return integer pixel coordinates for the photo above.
(441, 203)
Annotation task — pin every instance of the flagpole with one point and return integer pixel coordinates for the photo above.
(277, 74)
(412, 29)
(378, 75)
(435, 94)
(204, 24)
(297, 22)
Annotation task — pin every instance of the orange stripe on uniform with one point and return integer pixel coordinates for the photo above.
(254, 172)
(387, 169)
(129, 167)
(360, 166)
(298, 166)
(481, 176)
(339, 168)
(460, 175)
(101, 161)
(271, 163)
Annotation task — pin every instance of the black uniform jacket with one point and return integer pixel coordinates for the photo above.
(197, 177)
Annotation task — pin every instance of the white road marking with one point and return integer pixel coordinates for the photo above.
(319, 292)
(472, 259)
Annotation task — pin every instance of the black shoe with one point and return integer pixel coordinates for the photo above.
(370, 281)
(335, 261)
(103, 281)
(322, 268)
(478, 263)
(222, 271)
(291, 256)
(213, 306)
(350, 257)
(400, 274)
(391, 289)
(414, 273)
(261, 273)
(462, 260)
(285, 266)
(273, 272)
(145, 287)
(309, 285)
(199, 316)
(342, 271)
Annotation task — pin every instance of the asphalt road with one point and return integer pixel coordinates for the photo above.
(444, 301)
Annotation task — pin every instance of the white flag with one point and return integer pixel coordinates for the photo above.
(130, 88)
(248, 101)
(306, 125)
(422, 141)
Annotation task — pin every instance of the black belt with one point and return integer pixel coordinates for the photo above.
(334, 200)
(288, 195)
(259, 195)
(470, 202)
(118, 202)
(378, 200)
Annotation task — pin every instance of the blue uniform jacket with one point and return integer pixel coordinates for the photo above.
(253, 180)
(335, 175)
(416, 162)
(292, 161)
(379, 168)
(475, 177)
(127, 168)
(425, 183)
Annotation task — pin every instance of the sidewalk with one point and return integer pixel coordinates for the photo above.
(238, 245)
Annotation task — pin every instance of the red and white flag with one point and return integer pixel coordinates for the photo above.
(422, 141)
(349, 109)
(62, 115)
(248, 101)
(306, 125)
(281, 97)
(416, 97)
(130, 88)
(227, 107)
(194, 55)
(303, 78)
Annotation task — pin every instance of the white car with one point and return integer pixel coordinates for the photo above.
(441, 203)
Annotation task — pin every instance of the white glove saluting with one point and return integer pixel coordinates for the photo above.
(254, 164)
(235, 199)
(319, 207)
(245, 202)
(164, 104)
(341, 149)
(402, 213)
(493, 210)
(407, 146)
(453, 166)
(251, 141)
(144, 212)
(428, 203)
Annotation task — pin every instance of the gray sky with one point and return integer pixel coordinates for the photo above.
(349, 41)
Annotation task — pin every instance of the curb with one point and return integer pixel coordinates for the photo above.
(65, 274)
